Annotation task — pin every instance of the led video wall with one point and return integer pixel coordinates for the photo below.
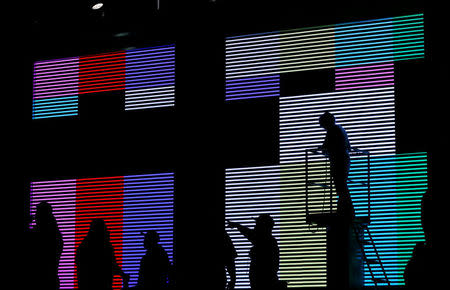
(130, 205)
(362, 57)
(145, 75)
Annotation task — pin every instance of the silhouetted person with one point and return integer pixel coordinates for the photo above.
(96, 261)
(337, 147)
(420, 268)
(155, 265)
(46, 249)
(229, 255)
(264, 254)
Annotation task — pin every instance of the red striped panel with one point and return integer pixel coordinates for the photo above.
(102, 72)
(101, 198)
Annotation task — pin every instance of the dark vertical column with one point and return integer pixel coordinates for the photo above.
(199, 175)
(344, 263)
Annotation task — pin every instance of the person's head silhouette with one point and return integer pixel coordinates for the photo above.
(44, 215)
(264, 224)
(327, 120)
(151, 239)
(98, 232)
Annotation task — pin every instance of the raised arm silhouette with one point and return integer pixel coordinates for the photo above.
(264, 254)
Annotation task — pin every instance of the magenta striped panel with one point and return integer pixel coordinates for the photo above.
(364, 77)
(62, 194)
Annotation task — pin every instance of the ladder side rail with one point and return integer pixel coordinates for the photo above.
(306, 182)
(378, 257)
(363, 253)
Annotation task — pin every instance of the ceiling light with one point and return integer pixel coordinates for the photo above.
(97, 6)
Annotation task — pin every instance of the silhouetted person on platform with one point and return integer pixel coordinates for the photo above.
(337, 147)
(46, 249)
(229, 255)
(264, 254)
(419, 272)
(155, 265)
(96, 261)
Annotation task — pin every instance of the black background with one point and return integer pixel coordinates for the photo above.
(202, 135)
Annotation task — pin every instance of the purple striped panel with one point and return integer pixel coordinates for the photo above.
(252, 87)
(61, 195)
(56, 78)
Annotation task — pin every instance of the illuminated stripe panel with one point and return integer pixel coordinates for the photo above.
(348, 44)
(276, 190)
(129, 205)
(148, 205)
(101, 198)
(367, 115)
(61, 194)
(379, 40)
(150, 78)
(398, 183)
(364, 77)
(252, 87)
(55, 88)
(55, 107)
(283, 52)
(102, 72)
(146, 75)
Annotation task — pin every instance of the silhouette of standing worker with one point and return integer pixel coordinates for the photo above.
(47, 244)
(155, 265)
(337, 147)
(230, 266)
(264, 254)
(95, 260)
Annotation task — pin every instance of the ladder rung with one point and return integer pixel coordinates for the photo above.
(371, 261)
(366, 242)
(319, 184)
(357, 182)
(380, 280)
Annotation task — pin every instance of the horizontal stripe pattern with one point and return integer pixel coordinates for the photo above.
(276, 190)
(146, 75)
(150, 78)
(61, 194)
(252, 87)
(357, 45)
(397, 185)
(130, 206)
(55, 88)
(364, 77)
(102, 72)
(379, 40)
(280, 52)
(367, 115)
(148, 205)
(101, 198)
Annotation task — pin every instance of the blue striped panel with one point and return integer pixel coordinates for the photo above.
(148, 205)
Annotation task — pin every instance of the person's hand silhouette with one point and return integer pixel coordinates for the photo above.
(231, 224)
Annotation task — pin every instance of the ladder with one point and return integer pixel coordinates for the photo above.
(361, 226)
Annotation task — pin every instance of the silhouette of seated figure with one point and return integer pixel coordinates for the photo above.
(47, 246)
(95, 260)
(264, 254)
(155, 265)
(337, 147)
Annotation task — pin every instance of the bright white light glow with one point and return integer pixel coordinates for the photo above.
(97, 6)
